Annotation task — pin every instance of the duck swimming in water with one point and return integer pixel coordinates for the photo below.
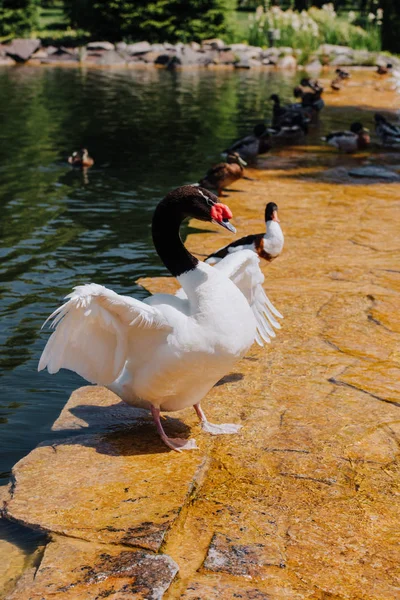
(386, 131)
(252, 145)
(266, 245)
(165, 353)
(224, 174)
(357, 138)
(81, 159)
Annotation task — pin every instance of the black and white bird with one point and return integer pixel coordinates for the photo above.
(165, 353)
(267, 245)
(251, 145)
(386, 131)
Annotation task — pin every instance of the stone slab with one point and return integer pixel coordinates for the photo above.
(121, 487)
(372, 172)
(76, 570)
(22, 49)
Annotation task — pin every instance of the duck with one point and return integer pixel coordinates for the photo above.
(165, 353)
(349, 141)
(384, 69)
(310, 100)
(335, 84)
(284, 115)
(224, 174)
(313, 84)
(389, 133)
(81, 159)
(342, 73)
(291, 131)
(252, 145)
(266, 245)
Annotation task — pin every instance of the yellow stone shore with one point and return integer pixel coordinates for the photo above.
(303, 503)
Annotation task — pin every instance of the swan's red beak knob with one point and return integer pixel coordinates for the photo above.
(220, 213)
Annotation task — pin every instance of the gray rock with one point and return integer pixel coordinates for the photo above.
(21, 50)
(344, 60)
(195, 46)
(287, 62)
(139, 48)
(270, 53)
(373, 172)
(100, 46)
(243, 63)
(333, 49)
(269, 61)
(111, 58)
(188, 56)
(213, 44)
(314, 66)
(121, 46)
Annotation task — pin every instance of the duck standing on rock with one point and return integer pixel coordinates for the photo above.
(266, 245)
(357, 138)
(386, 131)
(81, 159)
(224, 174)
(165, 353)
(252, 145)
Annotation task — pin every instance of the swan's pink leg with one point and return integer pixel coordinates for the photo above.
(177, 444)
(225, 428)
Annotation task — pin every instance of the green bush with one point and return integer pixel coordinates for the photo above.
(18, 17)
(155, 21)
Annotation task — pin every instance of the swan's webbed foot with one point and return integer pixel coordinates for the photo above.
(223, 429)
(177, 444)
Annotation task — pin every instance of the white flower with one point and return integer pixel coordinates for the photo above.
(259, 12)
(371, 17)
(379, 14)
(351, 16)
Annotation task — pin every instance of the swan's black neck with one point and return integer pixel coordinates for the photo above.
(167, 220)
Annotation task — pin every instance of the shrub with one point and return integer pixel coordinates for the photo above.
(306, 30)
(18, 17)
(156, 21)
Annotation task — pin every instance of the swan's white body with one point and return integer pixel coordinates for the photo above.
(167, 351)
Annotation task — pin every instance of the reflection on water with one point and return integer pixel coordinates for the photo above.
(148, 131)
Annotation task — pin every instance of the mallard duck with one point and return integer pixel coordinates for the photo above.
(310, 100)
(81, 158)
(224, 174)
(335, 84)
(267, 245)
(342, 73)
(389, 133)
(384, 70)
(292, 130)
(166, 353)
(250, 146)
(313, 84)
(349, 141)
(284, 115)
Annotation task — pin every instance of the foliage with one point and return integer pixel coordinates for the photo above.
(156, 21)
(307, 30)
(391, 25)
(18, 17)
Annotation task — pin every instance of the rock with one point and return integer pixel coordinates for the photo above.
(6, 61)
(76, 570)
(39, 54)
(228, 555)
(100, 46)
(121, 46)
(188, 56)
(213, 44)
(207, 588)
(227, 57)
(111, 58)
(270, 53)
(21, 50)
(242, 63)
(375, 173)
(334, 49)
(314, 66)
(287, 62)
(195, 46)
(139, 48)
(268, 61)
(342, 60)
(123, 487)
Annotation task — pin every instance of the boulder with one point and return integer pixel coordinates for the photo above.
(112, 58)
(374, 172)
(195, 46)
(342, 60)
(213, 44)
(21, 50)
(139, 48)
(334, 49)
(227, 57)
(314, 66)
(242, 63)
(287, 62)
(100, 46)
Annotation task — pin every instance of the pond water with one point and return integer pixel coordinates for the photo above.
(148, 131)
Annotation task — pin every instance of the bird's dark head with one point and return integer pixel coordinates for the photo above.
(275, 98)
(357, 127)
(379, 118)
(259, 130)
(271, 212)
(298, 92)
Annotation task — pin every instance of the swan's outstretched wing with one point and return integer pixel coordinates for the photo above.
(243, 269)
(92, 330)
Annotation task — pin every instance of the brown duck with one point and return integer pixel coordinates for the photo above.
(81, 159)
(224, 174)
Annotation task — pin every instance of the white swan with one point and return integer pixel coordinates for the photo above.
(267, 245)
(166, 353)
